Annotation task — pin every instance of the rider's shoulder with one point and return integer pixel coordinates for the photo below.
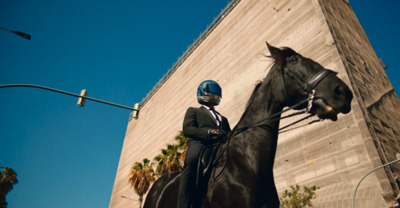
(194, 110)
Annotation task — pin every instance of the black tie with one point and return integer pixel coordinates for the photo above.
(216, 116)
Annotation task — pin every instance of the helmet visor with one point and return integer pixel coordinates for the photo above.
(213, 90)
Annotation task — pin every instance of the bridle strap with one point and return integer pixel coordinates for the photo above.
(282, 130)
(313, 82)
(317, 78)
(308, 88)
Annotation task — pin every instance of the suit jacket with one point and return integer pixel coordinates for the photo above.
(198, 121)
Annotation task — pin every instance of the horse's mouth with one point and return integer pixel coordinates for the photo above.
(324, 110)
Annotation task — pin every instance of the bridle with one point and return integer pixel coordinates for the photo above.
(308, 88)
(309, 85)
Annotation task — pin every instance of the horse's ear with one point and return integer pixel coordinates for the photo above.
(276, 54)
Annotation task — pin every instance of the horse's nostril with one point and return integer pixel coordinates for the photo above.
(344, 92)
(339, 90)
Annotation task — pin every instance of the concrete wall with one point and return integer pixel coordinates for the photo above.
(331, 155)
(377, 99)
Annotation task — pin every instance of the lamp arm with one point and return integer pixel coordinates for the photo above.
(67, 93)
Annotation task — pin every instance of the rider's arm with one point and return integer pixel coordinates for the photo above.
(191, 128)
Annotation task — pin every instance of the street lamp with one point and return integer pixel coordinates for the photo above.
(371, 171)
(81, 98)
(22, 34)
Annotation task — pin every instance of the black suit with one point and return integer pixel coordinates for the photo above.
(196, 125)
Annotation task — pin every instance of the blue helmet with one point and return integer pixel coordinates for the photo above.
(209, 91)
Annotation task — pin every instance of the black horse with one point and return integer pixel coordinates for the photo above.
(243, 176)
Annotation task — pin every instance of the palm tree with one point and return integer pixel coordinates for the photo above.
(173, 159)
(162, 164)
(183, 145)
(141, 176)
(168, 160)
(8, 178)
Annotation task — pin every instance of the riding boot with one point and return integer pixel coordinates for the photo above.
(187, 186)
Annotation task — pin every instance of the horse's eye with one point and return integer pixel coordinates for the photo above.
(294, 60)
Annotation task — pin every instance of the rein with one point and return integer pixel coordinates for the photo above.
(308, 88)
(275, 115)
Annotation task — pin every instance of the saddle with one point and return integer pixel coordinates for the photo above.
(206, 162)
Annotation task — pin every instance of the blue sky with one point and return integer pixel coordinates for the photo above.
(67, 156)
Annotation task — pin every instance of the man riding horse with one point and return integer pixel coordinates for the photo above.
(205, 126)
(246, 160)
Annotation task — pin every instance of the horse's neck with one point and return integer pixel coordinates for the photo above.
(259, 142)
(266, 102)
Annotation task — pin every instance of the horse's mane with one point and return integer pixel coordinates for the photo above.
(278, 62)
(258, 84)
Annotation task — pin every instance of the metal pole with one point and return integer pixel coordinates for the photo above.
(67, 93)
(6, 29)
(355, 191)
(21, 34)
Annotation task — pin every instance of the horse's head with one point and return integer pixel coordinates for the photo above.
(303, 77)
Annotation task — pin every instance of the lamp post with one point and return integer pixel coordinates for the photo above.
(81, 98)
(371, 171)
(22, 34)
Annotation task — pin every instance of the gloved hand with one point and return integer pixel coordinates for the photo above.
(213, 133)
(217, 134)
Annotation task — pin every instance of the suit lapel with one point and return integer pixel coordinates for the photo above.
(209, 115)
